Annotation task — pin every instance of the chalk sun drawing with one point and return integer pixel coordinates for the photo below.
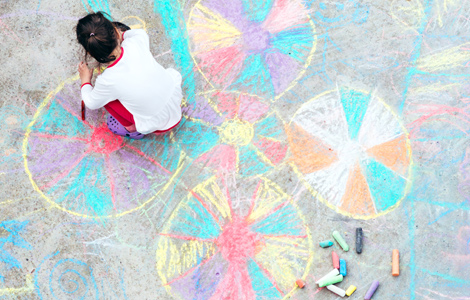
(251, 139)
(225, 243)
(260, 47)
(82, 168)
(352, 152)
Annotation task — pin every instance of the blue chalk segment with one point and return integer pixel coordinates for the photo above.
(355, 105)
(90, 179)
(57, 121)
(250, 162)
(196, 138)
(13, 229)
(193, 220)
(284, 221)
(97, 5)
(175, 27)
(166, 150)
(262, 286)
(326, 244)
(294, 42)
(342, 267)
(270, 127)
(255, 76)
(258, 10)
(385, 185)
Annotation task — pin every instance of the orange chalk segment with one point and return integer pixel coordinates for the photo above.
(335, 259)
(395, 262)
(300, 283)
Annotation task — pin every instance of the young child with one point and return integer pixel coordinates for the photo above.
(141, 96)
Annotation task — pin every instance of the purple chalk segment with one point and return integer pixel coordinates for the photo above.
(371, 290)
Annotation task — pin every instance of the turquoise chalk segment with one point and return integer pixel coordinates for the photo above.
(330, 281)
(342, 267)
(355, 105)
(340, 240)
(326, 244)
(332, 273)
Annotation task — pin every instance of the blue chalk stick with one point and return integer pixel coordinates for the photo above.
(342, 267)
(326, 244)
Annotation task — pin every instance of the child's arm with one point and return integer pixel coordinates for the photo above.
(97, 96)
(138, 35)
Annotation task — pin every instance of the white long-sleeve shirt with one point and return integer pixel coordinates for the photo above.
(147, 90)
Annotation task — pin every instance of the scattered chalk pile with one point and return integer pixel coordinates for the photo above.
(340, 271)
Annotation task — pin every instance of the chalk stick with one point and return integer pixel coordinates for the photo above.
(335, 259)
(351, 289)
(342, 267)
(326, 244)
(332, 273)
(330, 281)
(372, 289)
(340, 240)
(83, 110)
(395, 262)
(336, 290)
(359, 236)
(300, 283)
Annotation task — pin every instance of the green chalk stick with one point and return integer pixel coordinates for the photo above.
(340, 240)
(330, 280)
(326, 244)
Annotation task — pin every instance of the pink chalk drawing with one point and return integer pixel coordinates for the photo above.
(225, 243)
(260, 47)
(82, 168)
(251, 138)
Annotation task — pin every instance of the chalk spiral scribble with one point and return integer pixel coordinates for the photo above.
(66, 279)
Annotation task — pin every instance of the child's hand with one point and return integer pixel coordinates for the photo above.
(85, 73)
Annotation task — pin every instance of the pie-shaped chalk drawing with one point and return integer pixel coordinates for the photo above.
(352, 152)
(259, 47)
(84, 169)
(251, 138)
(223, 242)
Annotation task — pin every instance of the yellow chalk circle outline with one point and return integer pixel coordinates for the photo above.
(196, 246)
(409, 179)
(44, 103)
(26, 289)
(292, 84)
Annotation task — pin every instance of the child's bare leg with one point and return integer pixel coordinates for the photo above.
(131, 128)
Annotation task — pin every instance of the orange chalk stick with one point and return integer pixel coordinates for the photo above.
(335, 258)
(395, 262)
(300, 283)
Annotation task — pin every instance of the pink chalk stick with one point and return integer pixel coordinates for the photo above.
(335, 258)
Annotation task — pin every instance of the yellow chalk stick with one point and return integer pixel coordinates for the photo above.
(351, 289)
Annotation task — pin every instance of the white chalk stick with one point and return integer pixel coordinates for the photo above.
(336, 290)
(333, 273)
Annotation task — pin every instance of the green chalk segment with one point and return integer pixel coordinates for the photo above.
(326, 244)
(340, 240)
(331, 280)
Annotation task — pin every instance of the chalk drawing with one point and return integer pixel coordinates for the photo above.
(13, 229)
(96, 5)
(65, 279)
(328, 17)
(352, 152)
(259, 47)
(26, 289)
(251, 140)
(222, 242)
(84, 169)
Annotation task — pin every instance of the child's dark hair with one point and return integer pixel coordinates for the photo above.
(98, 36)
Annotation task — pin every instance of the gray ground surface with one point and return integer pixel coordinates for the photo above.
(300, 119)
